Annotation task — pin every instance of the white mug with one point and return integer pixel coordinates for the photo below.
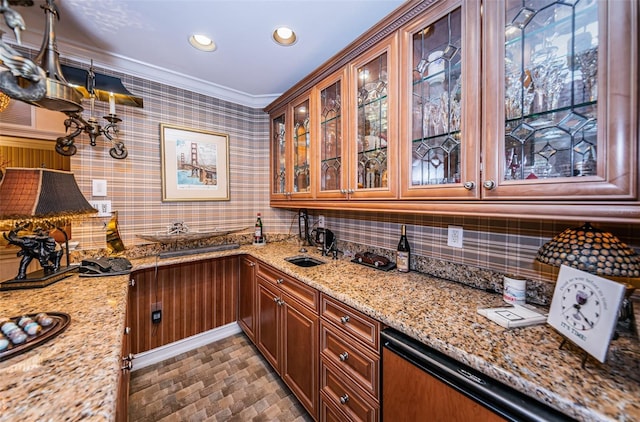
(514, 290)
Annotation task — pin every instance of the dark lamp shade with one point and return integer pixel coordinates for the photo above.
(594, 251)
(41, 194)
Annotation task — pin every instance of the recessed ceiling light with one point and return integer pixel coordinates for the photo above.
(202, 42)
(284, 36)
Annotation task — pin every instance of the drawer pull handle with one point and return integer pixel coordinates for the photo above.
(344, 319)
(343, 356)
(280, 281)
(344, 399)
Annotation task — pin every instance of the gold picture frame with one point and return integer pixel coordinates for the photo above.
(195, 164)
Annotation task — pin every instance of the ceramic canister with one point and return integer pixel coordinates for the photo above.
(515, 290)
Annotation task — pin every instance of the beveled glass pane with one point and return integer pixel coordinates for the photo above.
(330, 137)
(372, 124)
(436, 104)
(279, 156)
(551, 88)
(301, 158)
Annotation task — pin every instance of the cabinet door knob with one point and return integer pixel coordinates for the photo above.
(343, 356)
(343, 191)
(127, 330)
(344, 319)
(127, 366)
(280, 302)
(489, 184)
(350, 191)
(469, 185)
(275, 299)
(252, 264)
(344, 399)
(280, 281)
(132, 282)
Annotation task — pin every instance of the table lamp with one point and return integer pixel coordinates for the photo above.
(39, 200)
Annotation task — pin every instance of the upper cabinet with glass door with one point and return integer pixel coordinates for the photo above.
(291, 151)
(441, 85)
(331, 118)
(559, 99)
(373, 139)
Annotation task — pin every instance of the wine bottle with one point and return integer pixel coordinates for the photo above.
(403, 255)
(258, 238)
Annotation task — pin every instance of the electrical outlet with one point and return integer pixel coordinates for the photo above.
(455, 236)
(156, 316)
(321, 221)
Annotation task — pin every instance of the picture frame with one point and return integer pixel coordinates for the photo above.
(195, 164)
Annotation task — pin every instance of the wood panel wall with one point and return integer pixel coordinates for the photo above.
(194, 297)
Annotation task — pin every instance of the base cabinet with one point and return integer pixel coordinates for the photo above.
(287, 332)
(122, 404)
(246, 296)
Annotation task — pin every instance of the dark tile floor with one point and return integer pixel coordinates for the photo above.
(227, 380)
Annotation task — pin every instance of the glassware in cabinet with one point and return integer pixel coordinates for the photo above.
(374, 131)
(563, 108)
(331, 118)
(301, 147)
(440, 74)
(279, 155)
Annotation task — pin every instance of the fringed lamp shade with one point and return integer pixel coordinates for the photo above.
(37, 194)
(592, 250)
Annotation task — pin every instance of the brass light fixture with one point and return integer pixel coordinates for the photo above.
(42, 83)
(39, 200)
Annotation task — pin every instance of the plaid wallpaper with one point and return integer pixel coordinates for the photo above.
(135, 189)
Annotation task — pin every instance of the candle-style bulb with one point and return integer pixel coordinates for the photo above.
(112, 103)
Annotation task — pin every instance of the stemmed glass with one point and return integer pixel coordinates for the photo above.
(588, 62)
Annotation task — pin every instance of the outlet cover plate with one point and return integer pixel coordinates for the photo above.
(455, 235)
(321, 222)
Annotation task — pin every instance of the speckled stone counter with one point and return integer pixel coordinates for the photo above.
(73, 376)
(76, 373)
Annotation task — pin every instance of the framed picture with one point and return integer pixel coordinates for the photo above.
(195, 164)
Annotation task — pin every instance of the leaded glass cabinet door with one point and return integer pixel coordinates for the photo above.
(373, 141)
(331, 119)
(565, 119)
(279, 164)
(441, 76)
(301, 143)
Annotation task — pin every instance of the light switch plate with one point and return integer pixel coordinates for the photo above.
(455, 236)
(99, 187)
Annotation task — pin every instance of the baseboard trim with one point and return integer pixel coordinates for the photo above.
(144, 359)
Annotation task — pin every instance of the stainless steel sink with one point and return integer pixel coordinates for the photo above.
(304, 261)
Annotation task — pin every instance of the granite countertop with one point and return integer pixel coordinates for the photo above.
(80, 367)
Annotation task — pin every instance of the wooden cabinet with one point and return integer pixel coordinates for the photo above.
(507, 110)
(194, 297)
(291, 150)
(349, 364)
(247, 296)
(122, 406)
(440, 73)
(563, 118)
(287, 332)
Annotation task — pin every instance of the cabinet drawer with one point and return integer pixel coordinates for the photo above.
(353, 322)
(342, 394)
(361, 365)
(304, 294)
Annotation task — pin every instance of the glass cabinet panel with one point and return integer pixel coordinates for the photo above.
(372, 108)
(301, 155)
(331, 137)
(279, 155)
(436, 102)
(551, 89)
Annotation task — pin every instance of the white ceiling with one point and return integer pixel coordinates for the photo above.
(149, 38)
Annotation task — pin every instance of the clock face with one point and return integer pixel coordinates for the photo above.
(581, 306)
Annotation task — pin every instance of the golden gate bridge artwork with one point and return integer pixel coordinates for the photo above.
(197, 165)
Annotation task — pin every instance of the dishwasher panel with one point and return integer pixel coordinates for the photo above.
(422, 384)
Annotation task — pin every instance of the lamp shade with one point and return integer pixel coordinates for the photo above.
(592, 250)
(41, 194)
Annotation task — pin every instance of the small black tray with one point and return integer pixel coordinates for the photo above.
(388, 267)
(60, 323)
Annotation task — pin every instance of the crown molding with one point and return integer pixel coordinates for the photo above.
(136, 68)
